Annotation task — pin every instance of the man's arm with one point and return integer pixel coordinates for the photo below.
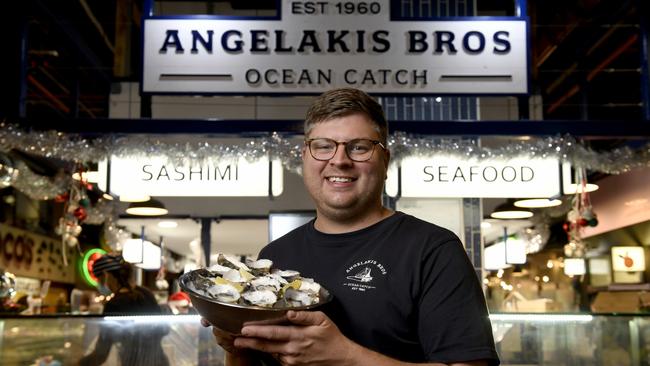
(315, 340)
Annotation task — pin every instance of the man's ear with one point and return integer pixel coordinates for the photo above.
(387, 158)
(386, 162)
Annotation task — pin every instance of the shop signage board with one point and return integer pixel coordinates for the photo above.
(313, 46)
(26, 254)
(452, 176)
(158, 176)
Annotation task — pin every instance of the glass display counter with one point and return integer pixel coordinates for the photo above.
(522, 339)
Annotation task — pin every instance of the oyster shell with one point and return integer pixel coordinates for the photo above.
(260, 298)
(224, 292)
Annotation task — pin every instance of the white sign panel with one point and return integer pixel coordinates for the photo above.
(629, 259)
(316, 46)
(156, 176)
(449, 176)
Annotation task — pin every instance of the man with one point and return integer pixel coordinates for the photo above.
(404, 289)
(140, 345)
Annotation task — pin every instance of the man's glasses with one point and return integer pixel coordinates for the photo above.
(358, 150)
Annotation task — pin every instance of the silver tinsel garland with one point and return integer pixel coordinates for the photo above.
(40, 187)
(75, 148)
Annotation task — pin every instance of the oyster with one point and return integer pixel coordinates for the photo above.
(267, 282)
(300, 298)
(260, 298)
(288, 274)
(218, 268)
(232, 262)
(224, 292)
(260, 266)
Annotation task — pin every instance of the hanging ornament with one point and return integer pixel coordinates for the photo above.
(580, 216)
(80, 213)
(8, 172)
(113, 235)
(100, 212)
(62, 198)
(535, 237)
(7, 285)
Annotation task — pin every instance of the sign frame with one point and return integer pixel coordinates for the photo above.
(147, 89)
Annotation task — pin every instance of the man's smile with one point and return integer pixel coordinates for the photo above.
(340, 179)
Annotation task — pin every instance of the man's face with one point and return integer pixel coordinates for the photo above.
(343, 189)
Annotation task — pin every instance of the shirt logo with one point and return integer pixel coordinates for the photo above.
(359, 276)
(362, 276)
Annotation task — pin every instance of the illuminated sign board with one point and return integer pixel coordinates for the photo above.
(628, 259)
(449, 176)
(311, 47)
(87, 263)
(157, 176)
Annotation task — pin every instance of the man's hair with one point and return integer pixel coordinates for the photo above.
(344, 102)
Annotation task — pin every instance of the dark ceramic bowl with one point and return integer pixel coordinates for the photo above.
(230, 317)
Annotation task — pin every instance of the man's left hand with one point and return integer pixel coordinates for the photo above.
(311, 339)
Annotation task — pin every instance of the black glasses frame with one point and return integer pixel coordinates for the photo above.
(346, 144)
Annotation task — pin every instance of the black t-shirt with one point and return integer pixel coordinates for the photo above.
(402, 287)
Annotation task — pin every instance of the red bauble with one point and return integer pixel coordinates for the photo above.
(62, 197)
(80, 213)
(583, 222)
(566, 226)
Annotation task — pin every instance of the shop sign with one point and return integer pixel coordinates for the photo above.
(313, 46)
(159, 177)
(450, 176)
(26, 254)
(628, 259)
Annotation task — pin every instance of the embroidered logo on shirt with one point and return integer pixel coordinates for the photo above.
(361, 276)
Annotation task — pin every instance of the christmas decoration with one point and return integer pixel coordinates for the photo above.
(580, 216)
(40, 187)
(75, 148)
(7, 285)
(535, 237)
(114, 236)
(74, 214)
(8, 172)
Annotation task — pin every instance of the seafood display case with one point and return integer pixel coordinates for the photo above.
(522, 339)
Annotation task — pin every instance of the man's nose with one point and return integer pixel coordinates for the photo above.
(340, 157)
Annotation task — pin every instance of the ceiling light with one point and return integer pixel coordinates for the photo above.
(507, 210)
(485, 225)
(574, 266)
(107, 196)
(573, 188)
(168, 224)
(152, 207)
(134, 198)
(537, 203)
(142, 253)
(89, 176)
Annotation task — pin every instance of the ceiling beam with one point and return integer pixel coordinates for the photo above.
(593, 129)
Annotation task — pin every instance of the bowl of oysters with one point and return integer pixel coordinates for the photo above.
(231, 293)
